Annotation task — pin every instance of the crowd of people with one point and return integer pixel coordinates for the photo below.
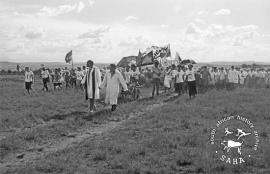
(62, 77)
(189, 79)
(180, 79)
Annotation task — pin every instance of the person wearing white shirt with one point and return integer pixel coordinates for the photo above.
(192, 89)
(79, 77)
(260, 81)
(45, 78)
(222, 77)
(173, 74)
(216, 77)
(212, 75)
(127, 74)
(134, 73)
(29, 79)
(267, 79)
(185, 84)
(57, 83)
(179, 80)
(242, 77)
(233, 77)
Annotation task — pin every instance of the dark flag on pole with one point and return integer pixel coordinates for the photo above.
(139, 59)
(162, 52)
(178, 57)
(68, 57)
(18, 68)
(147, 59)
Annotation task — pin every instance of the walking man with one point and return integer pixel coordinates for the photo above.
(91, 81)
(206, 76)
(29, 79)
(179, 80)
(192, 89)
(111, 83)
(156, 72)
(45, 78)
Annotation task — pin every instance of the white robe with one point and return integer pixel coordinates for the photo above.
(167, 80)
(88, 80)
(112, 86)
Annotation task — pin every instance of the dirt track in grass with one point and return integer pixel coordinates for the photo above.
(101, 122)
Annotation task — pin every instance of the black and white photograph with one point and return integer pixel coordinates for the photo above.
(134, 87)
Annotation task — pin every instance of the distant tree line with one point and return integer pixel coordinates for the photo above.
(16, 72)
(254, 65)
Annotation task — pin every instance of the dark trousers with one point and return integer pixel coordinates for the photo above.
(67, 83)
(231, 86)
(92, 104)
(221, 84)
(192, 89)
(179, 88)
(204, 86)
(73, 82)
(28, 86)
(45, 80)
(113, 107)
(156, 83)
(185, 87)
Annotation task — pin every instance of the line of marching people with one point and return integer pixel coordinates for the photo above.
(58, 77)
(90, 78)
(187, 79)
(231, 78)
(62, 77)
(180, 79)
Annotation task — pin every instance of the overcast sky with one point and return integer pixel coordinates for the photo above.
(106, 30)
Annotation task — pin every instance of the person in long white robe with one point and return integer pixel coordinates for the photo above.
(92, 85)
(112, 80)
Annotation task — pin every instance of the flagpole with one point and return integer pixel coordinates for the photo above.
(72, 63)
(170, 54)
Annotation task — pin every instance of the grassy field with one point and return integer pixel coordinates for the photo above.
(153, 136)
(18, 109)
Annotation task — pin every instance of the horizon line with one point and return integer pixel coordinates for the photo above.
(253, 61)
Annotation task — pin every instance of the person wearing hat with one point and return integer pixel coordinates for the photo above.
(111, 83)
(91, 82)
(192, 89)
